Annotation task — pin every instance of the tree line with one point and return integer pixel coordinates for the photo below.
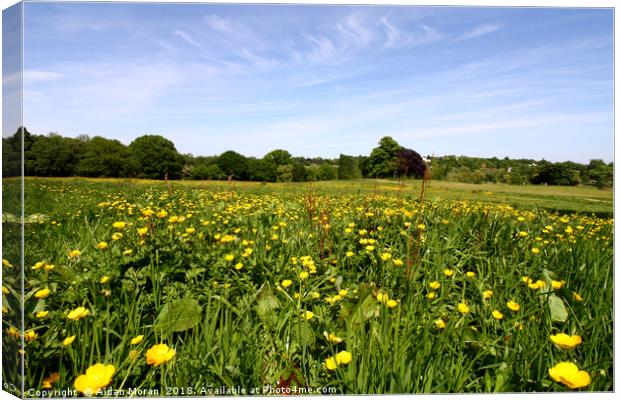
(155, 157)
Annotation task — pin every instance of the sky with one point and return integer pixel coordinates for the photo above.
(324, 80)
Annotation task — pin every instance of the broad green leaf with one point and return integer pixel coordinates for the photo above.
(557, 308)
(178, 316)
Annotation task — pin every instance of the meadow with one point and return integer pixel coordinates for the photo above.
(198, 288)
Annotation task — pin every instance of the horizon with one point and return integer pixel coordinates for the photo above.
(325, 80)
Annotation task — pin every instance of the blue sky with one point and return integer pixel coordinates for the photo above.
(324, 80)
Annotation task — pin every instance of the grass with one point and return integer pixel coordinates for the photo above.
(226, 276)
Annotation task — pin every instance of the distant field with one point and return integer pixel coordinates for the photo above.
(554, 198)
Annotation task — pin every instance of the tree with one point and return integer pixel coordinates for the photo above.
(410, 163)
(156, 156)
(382, 162)
(106, 158)
(279, 157)
(555, 174)
(54, 155)
(262, 170)
(299, 173)
(347, 168)
(233, 164)
(327, 172)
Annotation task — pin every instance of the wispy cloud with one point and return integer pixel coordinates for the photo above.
(187, 37)
(38, 76)
(480, 30)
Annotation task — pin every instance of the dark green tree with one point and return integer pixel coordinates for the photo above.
(156, 156)
(279, 157)
(382, 160)
(234, 165)
(299, 173)
(106, 158)
(348, 168)
(262, 170)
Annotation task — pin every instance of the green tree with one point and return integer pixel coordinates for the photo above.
(262, 170)
(54, 155)
(327, 172)
(233, 164)
(348, 168)
(106, 158)
(299, 173)
(382, 162)
(279, 157)
(156, 156)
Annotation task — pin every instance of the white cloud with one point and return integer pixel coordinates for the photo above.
(38, 76)
(187, 37)
(481, 30)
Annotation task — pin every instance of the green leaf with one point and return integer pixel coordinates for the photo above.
(557, 308)
(178, 316)
(266, 303)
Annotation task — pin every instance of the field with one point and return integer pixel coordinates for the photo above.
(203, 288)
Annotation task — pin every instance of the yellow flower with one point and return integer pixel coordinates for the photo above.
(535, 250)
(68, 340)
(74, 253)
(343, 357)
(117, 236)
(159, 354)
(42, 314)
(5, 290)
(470, 274)
(370, 248)
(97, 377)
(463, 308)
(42, 294)
(577, 297)
(537, 285)
(332, 338)
(102, 245)
(162, 214)
(448, 272)
(383, 297)
(78, 313)
(148, 212)
(119, 225)
(398, 262)
(487, 294)
(386, 256)
(434, 285)
(30, 335)
(308, 315)
(49, 267)
(137, 339)
(391, 303)
(343, 292)
(128, 252)
(238, 266)
(38, 265)
(349, 254)
(286, 283)
(439, 323)
(315, 295)
(47, 382)
(229, 257)
(104, 279)
(431, 295)
(569, 374)
(557, 284)
(142, 231)
(421, 227)
(564, 341)
(514, 306)
(497, 314)
(303, 275)
(330, 363)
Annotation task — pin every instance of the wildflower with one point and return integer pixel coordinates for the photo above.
(526, 280)
(537, 285)
(303, 275)
(463, 308)
(229, 257)
(49, 267)
(569, 374)
(343, 357)
(78, 313)
(148, 212)
(434, 285)
(497, 314)
(370, 248)
(133, 354)
(5, 290)
(159, 354)
(564, 341)
(42, 294)
(448, 272)
(398, 262)
(308, 315)
(286, 283)
(315, 295)
(162, 214)
(383, 297)
(97, 377)
(421, 227)
(48, 381)
(386, 256)
(557, 284)
(119, 225)
(104, 279)
(38, 265)
(535, 250)
(523, 234)
(332, 338)
(30, 335)
(487, 294)
(42, 314)
(117, 236)
(391, 303)
(142, 231)
(439, 323)
(137, 339)
(431, 295)
(343, 292)
(13, 332)
(128, 252)
(74, 253)
(330, 363)
(190, 230)
(514, 306)
(68, 340)
(577, 297)
(238, 266)
(470, 274)
(6, 263)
